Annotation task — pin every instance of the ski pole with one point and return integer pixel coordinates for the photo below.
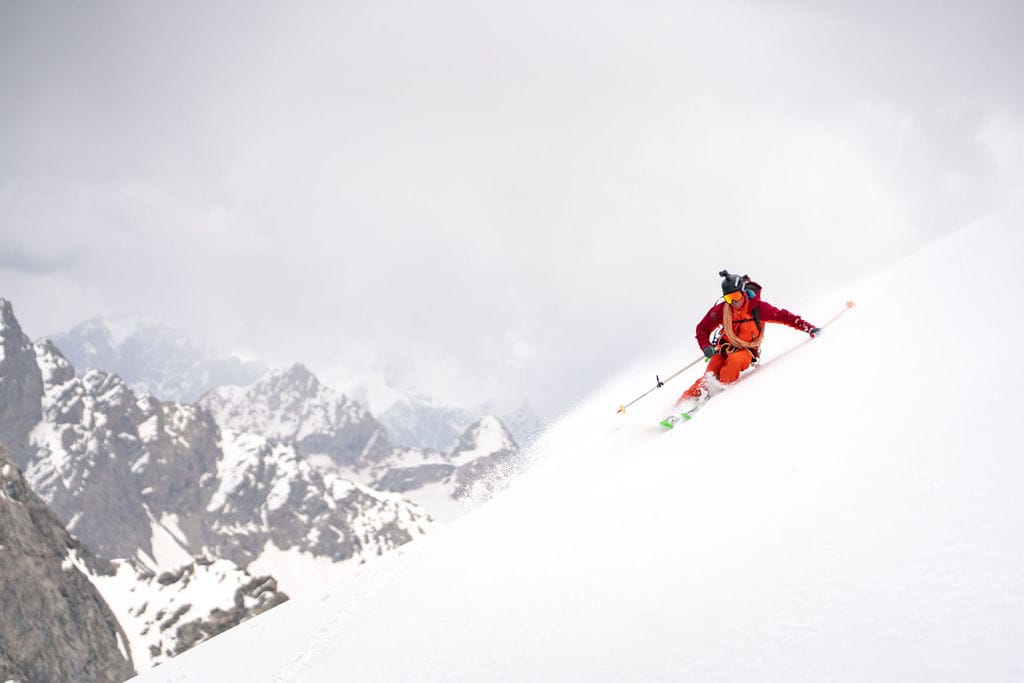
(849, 305)
(661, 383)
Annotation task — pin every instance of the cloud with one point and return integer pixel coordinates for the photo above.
(1003, 137)
(496, 198)
(17, 259)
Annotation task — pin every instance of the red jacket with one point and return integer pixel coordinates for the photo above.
(763, 310)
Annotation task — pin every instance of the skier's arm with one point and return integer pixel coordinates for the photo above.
(707, 326)
(771, 314)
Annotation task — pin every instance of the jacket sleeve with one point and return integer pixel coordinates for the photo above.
(771, 314)
(707, 325)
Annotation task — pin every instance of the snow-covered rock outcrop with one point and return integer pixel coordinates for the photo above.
(447, 484)
(164, 614)
(159, 487)
(292, 409)
(293, 406)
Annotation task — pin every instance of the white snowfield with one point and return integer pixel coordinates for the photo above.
(849, 512)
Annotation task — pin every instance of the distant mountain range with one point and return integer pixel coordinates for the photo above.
(153, 358)
(418, 421)
(166, 362)
(205, 507)
(344, 442)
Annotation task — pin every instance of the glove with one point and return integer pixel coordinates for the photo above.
(709, 351)
(814, 331)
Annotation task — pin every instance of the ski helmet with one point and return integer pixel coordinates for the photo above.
(732, 283)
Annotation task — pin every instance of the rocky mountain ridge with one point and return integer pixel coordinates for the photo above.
(54, 624)
(158, 359)
(448, 484)
(113, 466)
(413, 420)
(152, 483)
(21, 383)
(164, 614)
(293, 406)
(191, 495)
(416, 421)
(345, 443)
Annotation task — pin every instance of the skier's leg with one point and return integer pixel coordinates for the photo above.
(692, 392)
(735, 363)
(712, 369)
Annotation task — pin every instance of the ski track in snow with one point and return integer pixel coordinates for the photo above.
(361, 596)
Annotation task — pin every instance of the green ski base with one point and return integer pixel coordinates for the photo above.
(670, 422)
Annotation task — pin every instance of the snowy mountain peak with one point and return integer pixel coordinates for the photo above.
(6, 314)
(153, 357)
(297, 379)
(305, 512)
(159, 483)
(417, 421)
(486, 436)
(523, 423)
(292, 405)
(54, 367)
(21, 386)
(422, 422)
(12, 338)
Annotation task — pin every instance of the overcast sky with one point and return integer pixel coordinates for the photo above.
(501, 200)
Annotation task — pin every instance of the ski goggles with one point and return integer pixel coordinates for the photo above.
(733, 297)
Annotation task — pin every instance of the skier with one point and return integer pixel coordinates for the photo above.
(737, 344)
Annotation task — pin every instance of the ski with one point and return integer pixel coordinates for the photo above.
(674, 419)
(671, 421)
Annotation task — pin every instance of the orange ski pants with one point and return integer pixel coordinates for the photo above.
(726, 368)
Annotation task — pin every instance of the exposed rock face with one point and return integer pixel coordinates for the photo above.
(21, 386)
(293, 406)
(54, 626)
(407, 478)
(419, 422)
(300, 509)
(158, 484)
(114, 467)
(291, 411)
(181, 450)
(447, 483)
(485, 455)
(254, 597)
(110, 464)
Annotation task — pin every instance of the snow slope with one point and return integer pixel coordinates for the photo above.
(849, 512)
